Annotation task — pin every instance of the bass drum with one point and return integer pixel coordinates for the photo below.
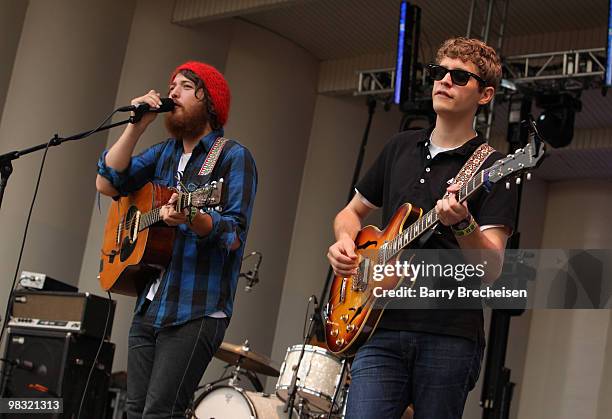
(229, 402)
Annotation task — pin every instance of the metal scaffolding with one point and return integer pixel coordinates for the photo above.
(490, 15)
(568, 70)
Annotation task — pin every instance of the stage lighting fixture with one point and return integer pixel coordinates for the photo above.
(407, 53)
(556, 122)
(608, 73)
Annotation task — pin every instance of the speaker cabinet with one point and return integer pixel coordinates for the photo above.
(41, 363)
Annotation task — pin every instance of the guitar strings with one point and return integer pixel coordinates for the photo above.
(127, 225)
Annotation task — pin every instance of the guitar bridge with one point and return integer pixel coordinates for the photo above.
(360, 280)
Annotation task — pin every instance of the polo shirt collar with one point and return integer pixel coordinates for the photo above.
(465, 150)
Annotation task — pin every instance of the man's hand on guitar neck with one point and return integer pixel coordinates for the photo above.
(449, 210)
(170, 215)
(200, 223)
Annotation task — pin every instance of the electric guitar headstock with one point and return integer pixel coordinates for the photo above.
(522, 160)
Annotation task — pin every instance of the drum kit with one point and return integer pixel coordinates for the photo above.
(321, 385)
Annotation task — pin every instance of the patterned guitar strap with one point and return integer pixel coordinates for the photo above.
(211, 158)
(209, 163)
(470, 168)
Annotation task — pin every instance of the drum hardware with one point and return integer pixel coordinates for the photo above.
(233, 378)
(337, 392)
(292, 389)
(315, 379)
(246, 358)
(321, 378)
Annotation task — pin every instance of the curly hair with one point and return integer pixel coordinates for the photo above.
(213, 119)
(475, 51)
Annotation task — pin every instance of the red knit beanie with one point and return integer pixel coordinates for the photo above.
(214, 82)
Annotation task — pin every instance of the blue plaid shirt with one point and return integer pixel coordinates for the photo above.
(202, 276)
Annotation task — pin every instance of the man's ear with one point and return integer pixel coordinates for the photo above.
(487, 95)
(199, 94)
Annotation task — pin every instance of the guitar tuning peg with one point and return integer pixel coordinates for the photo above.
(518, 180)
(528, 175)
(508, 185)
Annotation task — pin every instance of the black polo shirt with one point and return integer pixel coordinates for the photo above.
(406, 172)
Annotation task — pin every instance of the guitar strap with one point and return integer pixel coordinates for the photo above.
(212, 157)
(471, 166)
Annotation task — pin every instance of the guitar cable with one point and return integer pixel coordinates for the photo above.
(9, 303)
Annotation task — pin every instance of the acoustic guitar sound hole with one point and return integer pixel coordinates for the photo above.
(127, 245)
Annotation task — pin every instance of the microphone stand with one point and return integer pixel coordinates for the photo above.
(6, 166)
(296, 368)
(252, 276)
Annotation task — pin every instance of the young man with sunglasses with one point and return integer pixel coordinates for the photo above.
(430, 358)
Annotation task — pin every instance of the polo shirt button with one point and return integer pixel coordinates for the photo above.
(426, 143)
(428, 157)
(427, 169)
(422, 180)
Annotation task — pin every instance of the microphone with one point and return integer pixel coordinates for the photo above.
(252, 276)
(140, 109)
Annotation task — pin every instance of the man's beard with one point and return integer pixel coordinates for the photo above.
(190, 123)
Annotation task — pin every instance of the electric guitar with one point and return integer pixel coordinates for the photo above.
(136, 241)
(350, 315)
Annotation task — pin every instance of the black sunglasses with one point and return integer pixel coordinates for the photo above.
(459, 77)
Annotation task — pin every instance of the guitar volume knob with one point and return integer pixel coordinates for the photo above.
(340, 342)
(350, 327)
(344, 318)
(334, 332)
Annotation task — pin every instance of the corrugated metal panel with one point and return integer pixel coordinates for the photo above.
(564, 164)
(340, 76)
(347, 28)
(589, 156)
(593, 37)
(191, 12)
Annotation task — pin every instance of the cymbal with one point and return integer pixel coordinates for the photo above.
(246, 358)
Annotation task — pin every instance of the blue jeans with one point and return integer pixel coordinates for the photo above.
(395, 368)
(166, 365)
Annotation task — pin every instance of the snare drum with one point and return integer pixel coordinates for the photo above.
(229, 402)
(319, 376)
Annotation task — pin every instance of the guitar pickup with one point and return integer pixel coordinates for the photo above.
(360, 280)
(343, 290)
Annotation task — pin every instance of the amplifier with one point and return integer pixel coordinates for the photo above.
(80, 313)
(43, 282)
(41, 363)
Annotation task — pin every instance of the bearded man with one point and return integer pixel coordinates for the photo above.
(181, 316)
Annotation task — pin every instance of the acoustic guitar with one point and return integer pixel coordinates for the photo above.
(137, 243)
(351, 313)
